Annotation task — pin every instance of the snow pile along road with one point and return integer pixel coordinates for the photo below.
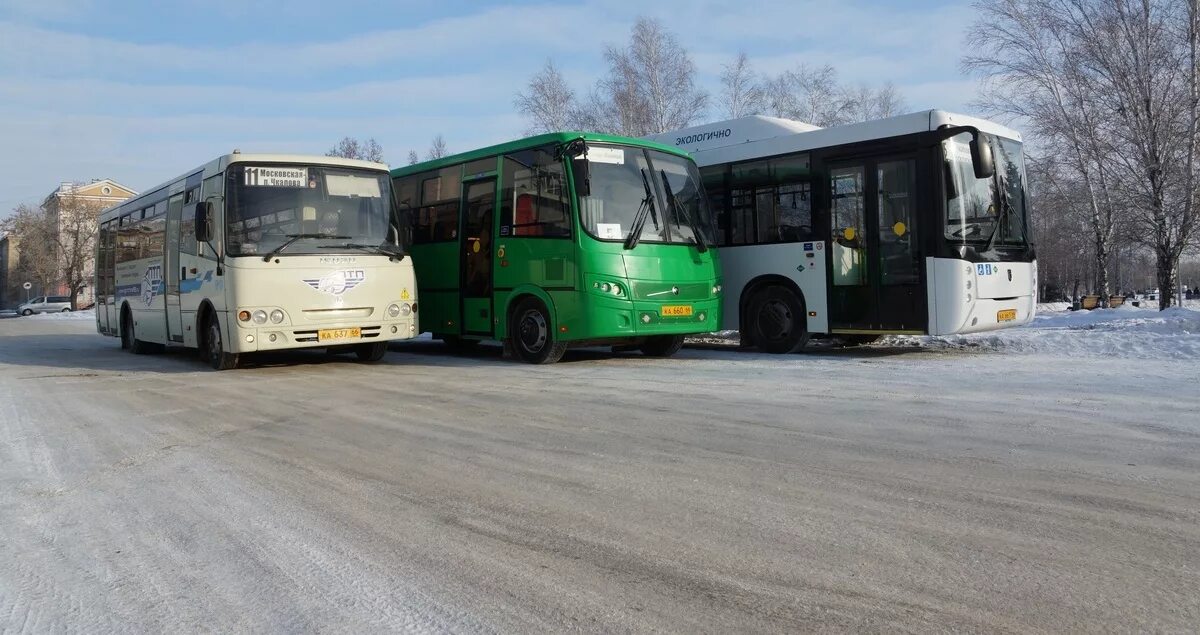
(1125, 332)
(89, 314)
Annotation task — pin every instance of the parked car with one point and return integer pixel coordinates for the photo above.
(45, 304)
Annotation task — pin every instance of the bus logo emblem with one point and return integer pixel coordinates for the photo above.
(150, 283)
(337, 282)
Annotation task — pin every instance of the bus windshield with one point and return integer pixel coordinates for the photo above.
(296, 209)
(625, 179)
(991, 210)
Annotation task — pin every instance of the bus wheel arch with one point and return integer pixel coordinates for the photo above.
(773, 316)
(129, 340)
(210, 341)
(531, 334)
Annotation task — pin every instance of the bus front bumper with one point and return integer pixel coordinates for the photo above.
(624, 319)
(284, 337)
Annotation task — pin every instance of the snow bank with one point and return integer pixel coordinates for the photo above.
(1126, 332)
(89, 314)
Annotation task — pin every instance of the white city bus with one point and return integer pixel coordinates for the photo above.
(258, 252)
(915, 224)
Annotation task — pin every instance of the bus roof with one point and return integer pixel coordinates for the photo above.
(532, 142)
(758, 136)
(223, 161)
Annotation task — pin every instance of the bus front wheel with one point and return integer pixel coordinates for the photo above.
(532, 334)
(662, 345)
(214, 347)
(777, 317)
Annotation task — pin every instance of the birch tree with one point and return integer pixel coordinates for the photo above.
(650, 86)
(742, 90)
(548, 102)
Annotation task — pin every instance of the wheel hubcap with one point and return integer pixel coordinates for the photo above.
(775, 320)
(532, 331)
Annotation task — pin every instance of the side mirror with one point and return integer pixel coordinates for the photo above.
(582, 171)
(981, 156)
(203, 221)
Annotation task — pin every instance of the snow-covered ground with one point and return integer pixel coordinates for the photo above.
(1123, 332)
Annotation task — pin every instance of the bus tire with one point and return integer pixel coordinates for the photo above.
(662, 345)
(129, 340)
(214, 347)
(372, 352)
(778, 320)
(532, 333)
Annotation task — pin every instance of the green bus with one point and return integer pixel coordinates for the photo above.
(561, 240)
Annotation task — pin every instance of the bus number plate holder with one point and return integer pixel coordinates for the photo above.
(339, 334)
(1006, 315)
(677, 310)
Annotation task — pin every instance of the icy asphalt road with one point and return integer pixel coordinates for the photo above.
(718, 491)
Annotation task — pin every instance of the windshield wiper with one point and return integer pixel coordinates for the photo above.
(383, 248)
(1005, 209)
(679, 208)
(291, 238)
(644, 210)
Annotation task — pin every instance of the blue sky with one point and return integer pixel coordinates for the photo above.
(141, 91)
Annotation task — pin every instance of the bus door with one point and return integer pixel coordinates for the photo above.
(874, 256)
(174, 269)
(476, 253)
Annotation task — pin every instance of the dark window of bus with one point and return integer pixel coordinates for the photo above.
(127, 245)
(772, 201)
(898, 258)
(187, 222)
(153, 232)
(713, 178)
(436, 220)
(479, 167)
(533, 201)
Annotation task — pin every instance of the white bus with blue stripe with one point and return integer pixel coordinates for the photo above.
(258, 252)
(915, 224)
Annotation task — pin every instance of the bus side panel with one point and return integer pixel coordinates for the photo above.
(802, 263)
(438, 285)
(545, 263)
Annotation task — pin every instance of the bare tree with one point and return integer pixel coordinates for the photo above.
(351, 148)
(437, 149)
(814, 94)
(77, 220)
(33, 230)
(1111, 86)
(742, 90)
(413, 159)
(548, 103)
(650, 86)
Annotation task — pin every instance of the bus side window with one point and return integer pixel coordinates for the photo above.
(534, 195)
(436, 219)
(187, 222)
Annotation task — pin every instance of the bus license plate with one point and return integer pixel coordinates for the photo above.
(676, 310)
(339, 334)
(1007, 315)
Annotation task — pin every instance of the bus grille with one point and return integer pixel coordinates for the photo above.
(665, 291)
(310, 335)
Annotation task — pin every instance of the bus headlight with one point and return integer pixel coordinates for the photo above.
(405, 309)
(276, 316)
(393, 310)
(259, 317)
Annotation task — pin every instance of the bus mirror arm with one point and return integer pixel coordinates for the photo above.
(981, 148)
(203, 217)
